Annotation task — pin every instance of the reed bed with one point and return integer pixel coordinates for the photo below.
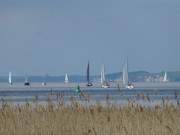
(77, 119)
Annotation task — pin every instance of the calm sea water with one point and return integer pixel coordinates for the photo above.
(95, 95)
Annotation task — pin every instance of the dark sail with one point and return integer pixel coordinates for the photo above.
(88, 76)
(88, 73)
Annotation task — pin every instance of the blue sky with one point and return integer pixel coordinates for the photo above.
(59, 36)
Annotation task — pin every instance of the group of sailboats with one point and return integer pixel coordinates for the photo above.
(26, 82)
(104, 82)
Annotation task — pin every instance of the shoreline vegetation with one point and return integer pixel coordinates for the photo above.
(77, 119)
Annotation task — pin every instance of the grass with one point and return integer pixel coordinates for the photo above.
(76, 119)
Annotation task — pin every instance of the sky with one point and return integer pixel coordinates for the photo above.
(59, 36)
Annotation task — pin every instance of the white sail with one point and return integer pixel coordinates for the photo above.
(66, 79)
(125, 74)
(165, 77)
(10, 78)
(104, 83)
(103, 79)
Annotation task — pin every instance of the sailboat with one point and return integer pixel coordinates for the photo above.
(104, 83)
(126, 82)
(165, 77)
(88, 77)
(125, 74)
(66, 80)
(26, 82)
(10, 78)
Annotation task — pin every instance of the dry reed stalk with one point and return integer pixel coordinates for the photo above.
(77, 119)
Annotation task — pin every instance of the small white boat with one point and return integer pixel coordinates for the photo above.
(130, 86)
(43, 84)
(105, 85)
